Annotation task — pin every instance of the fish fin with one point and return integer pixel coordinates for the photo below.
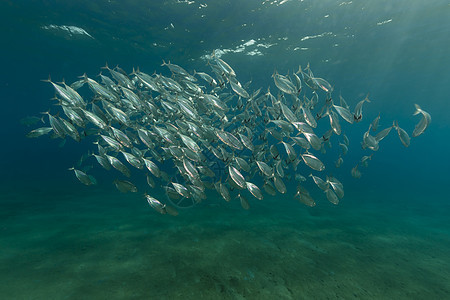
(105, 67)
(395, 124)
(62, 82)
(49, 79)
(274, 73)
(418, 109)
(84, 77)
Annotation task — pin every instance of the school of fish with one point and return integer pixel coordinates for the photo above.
(189, 133)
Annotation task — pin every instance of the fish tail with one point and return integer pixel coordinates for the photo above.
(135, 72)
(274, 73)
(307, 67)
(84, 77)
(49, 79)
(395, 124)
(62, 82)
(418, 109)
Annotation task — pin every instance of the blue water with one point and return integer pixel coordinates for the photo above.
(389, 236)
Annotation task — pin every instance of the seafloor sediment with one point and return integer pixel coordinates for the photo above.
(113, 246)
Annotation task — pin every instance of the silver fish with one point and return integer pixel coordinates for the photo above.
(337, 186)
(181, 189)
(121, 137)
(254, 190)
(152, 167)
(308, 116)
(171, 210)
(423, 123)
(284, 84)
(155, 204)
(31, 120)
(125, 186)
(236, 86)
(118, 165)
(244, 202)
(339, 162)
(62, 92)
(331, 196)
(220, 135)
(301, 142)
(375, 123)
(355, 172)
(344, 148)
(190, 143)
(314, 140)
(268, 187)
(247, 142)
(319, 182)
(71, 130)
(190, 168)
(57, 125)
(365, 160)
(224, 192)
(304, 196)
(112, 142)
(334, 122)
(229, 139)
(265, 169)
(237, 177)
(313, 162)
(383, 133)
(403, 135)
(103, 161)
(344, 113)
(175, 69)
(133, 160)
(94, 119)
(206, 77)
(242, 163)
(83, 177)
(224, 66)
(370, 141)
(39, 132)
(288, 114)
(322, 84)
(357, 114)
(279, 184)
(290, 151)
(279, 168)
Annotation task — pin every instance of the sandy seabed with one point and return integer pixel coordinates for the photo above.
(113, 246)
